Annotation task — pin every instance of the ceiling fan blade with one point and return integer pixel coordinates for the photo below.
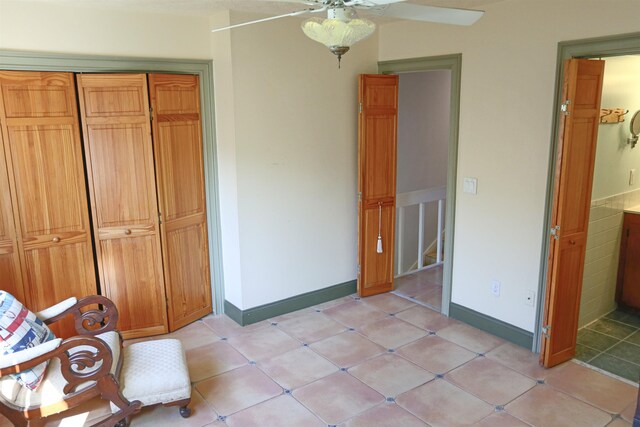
(417, 12)
(271, 18)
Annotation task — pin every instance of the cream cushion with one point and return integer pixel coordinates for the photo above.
(154, 372)
(50, 389)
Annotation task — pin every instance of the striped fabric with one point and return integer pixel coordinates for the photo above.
(21, 329)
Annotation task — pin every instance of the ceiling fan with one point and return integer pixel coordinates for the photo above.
(343, 28)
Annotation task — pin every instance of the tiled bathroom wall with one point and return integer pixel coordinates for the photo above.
(601, 260)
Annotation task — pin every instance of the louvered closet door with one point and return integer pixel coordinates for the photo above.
(44, 159)
(118, 149)
(177, 140)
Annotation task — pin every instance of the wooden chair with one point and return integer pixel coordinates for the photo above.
(80, 368)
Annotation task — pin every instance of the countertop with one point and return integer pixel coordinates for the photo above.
(633, 209)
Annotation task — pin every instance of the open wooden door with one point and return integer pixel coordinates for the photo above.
(582, 89)
(377, 141)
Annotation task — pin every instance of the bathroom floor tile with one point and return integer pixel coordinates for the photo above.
(500, 419)
(338, 397)
(159, 415)
(616, 366)
(439, 403)
(390, 375)
(595, 340)
(626, 351)
(432, 298)
(585, 353)
(612, 328)
(194, 335)
(223, 326)
(634, 339)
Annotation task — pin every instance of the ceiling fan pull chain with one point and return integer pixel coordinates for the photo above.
(379, 247)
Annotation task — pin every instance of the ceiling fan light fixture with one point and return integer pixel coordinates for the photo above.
(338, 32)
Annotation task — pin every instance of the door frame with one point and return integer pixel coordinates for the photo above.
(452, 63)
(40, 61)
(600, 47)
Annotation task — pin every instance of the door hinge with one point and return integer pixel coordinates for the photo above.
(565, 107)
(159, 217)
(546, 331)
(360, 107)
(555, 232)
(150, 114)
(359, 196)
(358, 270)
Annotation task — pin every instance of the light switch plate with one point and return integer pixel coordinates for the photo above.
(470, 185)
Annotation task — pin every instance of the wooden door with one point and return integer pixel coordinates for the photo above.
(44, 158)
(578, 134)
(10, 273)
(177, 141)
(119, 153)
(377, 148)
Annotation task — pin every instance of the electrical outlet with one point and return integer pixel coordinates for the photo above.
(530, 298)
(495, 288)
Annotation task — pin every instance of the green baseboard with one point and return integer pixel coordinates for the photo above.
(493, 326)
(298, 302)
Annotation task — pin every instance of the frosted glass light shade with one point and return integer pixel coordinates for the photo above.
(336, 32)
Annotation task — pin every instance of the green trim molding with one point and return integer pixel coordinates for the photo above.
(298, 302)
(491, 325)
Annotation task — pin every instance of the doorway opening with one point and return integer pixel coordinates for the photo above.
(609, 320)
(423, 138)
(434, 187)
(563, 292)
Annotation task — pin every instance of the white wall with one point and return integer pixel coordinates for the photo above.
(614, 157)
(62, 28)
(423, 139)
(508, 77)
(296, 164)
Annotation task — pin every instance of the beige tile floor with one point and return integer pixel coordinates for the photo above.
(378, 361)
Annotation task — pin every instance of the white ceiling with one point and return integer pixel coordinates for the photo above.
(198, 7)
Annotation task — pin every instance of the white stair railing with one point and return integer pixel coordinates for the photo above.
(420, 198)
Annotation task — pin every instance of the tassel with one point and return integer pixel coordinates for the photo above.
(379, 248)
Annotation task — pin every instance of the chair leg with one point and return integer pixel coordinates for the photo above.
(110, 390)
(185, 412)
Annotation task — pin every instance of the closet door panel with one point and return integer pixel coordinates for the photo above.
(177, 138)
(121, 174)
(43, 154)
(49, 185)
(128, 276)
(10, 274)
(119, 151)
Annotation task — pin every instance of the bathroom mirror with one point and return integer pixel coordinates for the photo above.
(634, 127)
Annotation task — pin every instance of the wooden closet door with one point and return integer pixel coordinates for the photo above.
(10, 274)
(117, 137)
(177, 141)
(44, 158)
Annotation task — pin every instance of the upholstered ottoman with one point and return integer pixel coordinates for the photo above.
(156, 372)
